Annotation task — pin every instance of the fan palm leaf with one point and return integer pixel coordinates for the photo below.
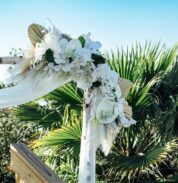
(142, 62)
(124, 167)
(68, 94)
(66, 138)
(39, 115)
(47, 116)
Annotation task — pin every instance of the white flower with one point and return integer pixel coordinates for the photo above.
(73, 48)
(83, 84)
(94, 46)
(84, 74)
(50, 42)
(66, 67)
(62, 45)
(84, 55)
(103, 71)
(60, 59)
(114, 77)
(107, 111)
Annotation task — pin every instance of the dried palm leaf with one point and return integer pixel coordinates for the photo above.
(127, 110)
(125, 86)
(36, 33)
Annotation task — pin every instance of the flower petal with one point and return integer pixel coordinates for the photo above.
(73, 47)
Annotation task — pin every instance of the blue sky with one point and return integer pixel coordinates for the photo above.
(113, 22)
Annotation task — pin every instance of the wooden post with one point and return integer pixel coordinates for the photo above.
(28, 168)
(87, 150)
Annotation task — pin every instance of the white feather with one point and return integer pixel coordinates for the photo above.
(109, 136)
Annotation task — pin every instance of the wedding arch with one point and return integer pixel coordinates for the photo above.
(56, 59)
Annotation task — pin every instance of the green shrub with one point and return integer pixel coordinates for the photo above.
(11, 131)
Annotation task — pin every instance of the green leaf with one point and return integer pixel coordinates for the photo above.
(32, 112)
(125, 63)
(82, 40)
(140, 95)
(96, 84)
(67, 94)
(142, 62)
(129, 165)
(49, 56)
(66, 138)
(98, 59)
(28, 112)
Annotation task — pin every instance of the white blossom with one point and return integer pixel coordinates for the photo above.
(94, 46)
(73, 48)
(62, 45)
(106, 111)
(84, 55)
(50, 42)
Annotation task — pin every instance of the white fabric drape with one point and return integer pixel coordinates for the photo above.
(35, 85)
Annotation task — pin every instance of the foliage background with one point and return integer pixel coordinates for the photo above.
(11, 131)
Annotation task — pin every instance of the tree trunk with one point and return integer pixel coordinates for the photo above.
(87, 150)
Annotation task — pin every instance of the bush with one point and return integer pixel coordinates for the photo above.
(11, 131)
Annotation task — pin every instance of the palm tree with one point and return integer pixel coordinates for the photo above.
(154, 71)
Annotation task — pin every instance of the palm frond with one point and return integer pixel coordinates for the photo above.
(39, 115)
(67, 94)
(124, 63)
(140, 95)
(66, 138)
(142, 62)
(169, 84)
(157, 62)
(142, 163)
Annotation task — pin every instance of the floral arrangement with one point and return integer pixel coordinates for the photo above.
(56, 59)
(60, 59)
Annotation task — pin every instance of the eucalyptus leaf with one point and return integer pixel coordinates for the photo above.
(82, 40)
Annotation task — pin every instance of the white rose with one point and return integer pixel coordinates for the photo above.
(73, 48)
(107, 111)
(62, 45)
